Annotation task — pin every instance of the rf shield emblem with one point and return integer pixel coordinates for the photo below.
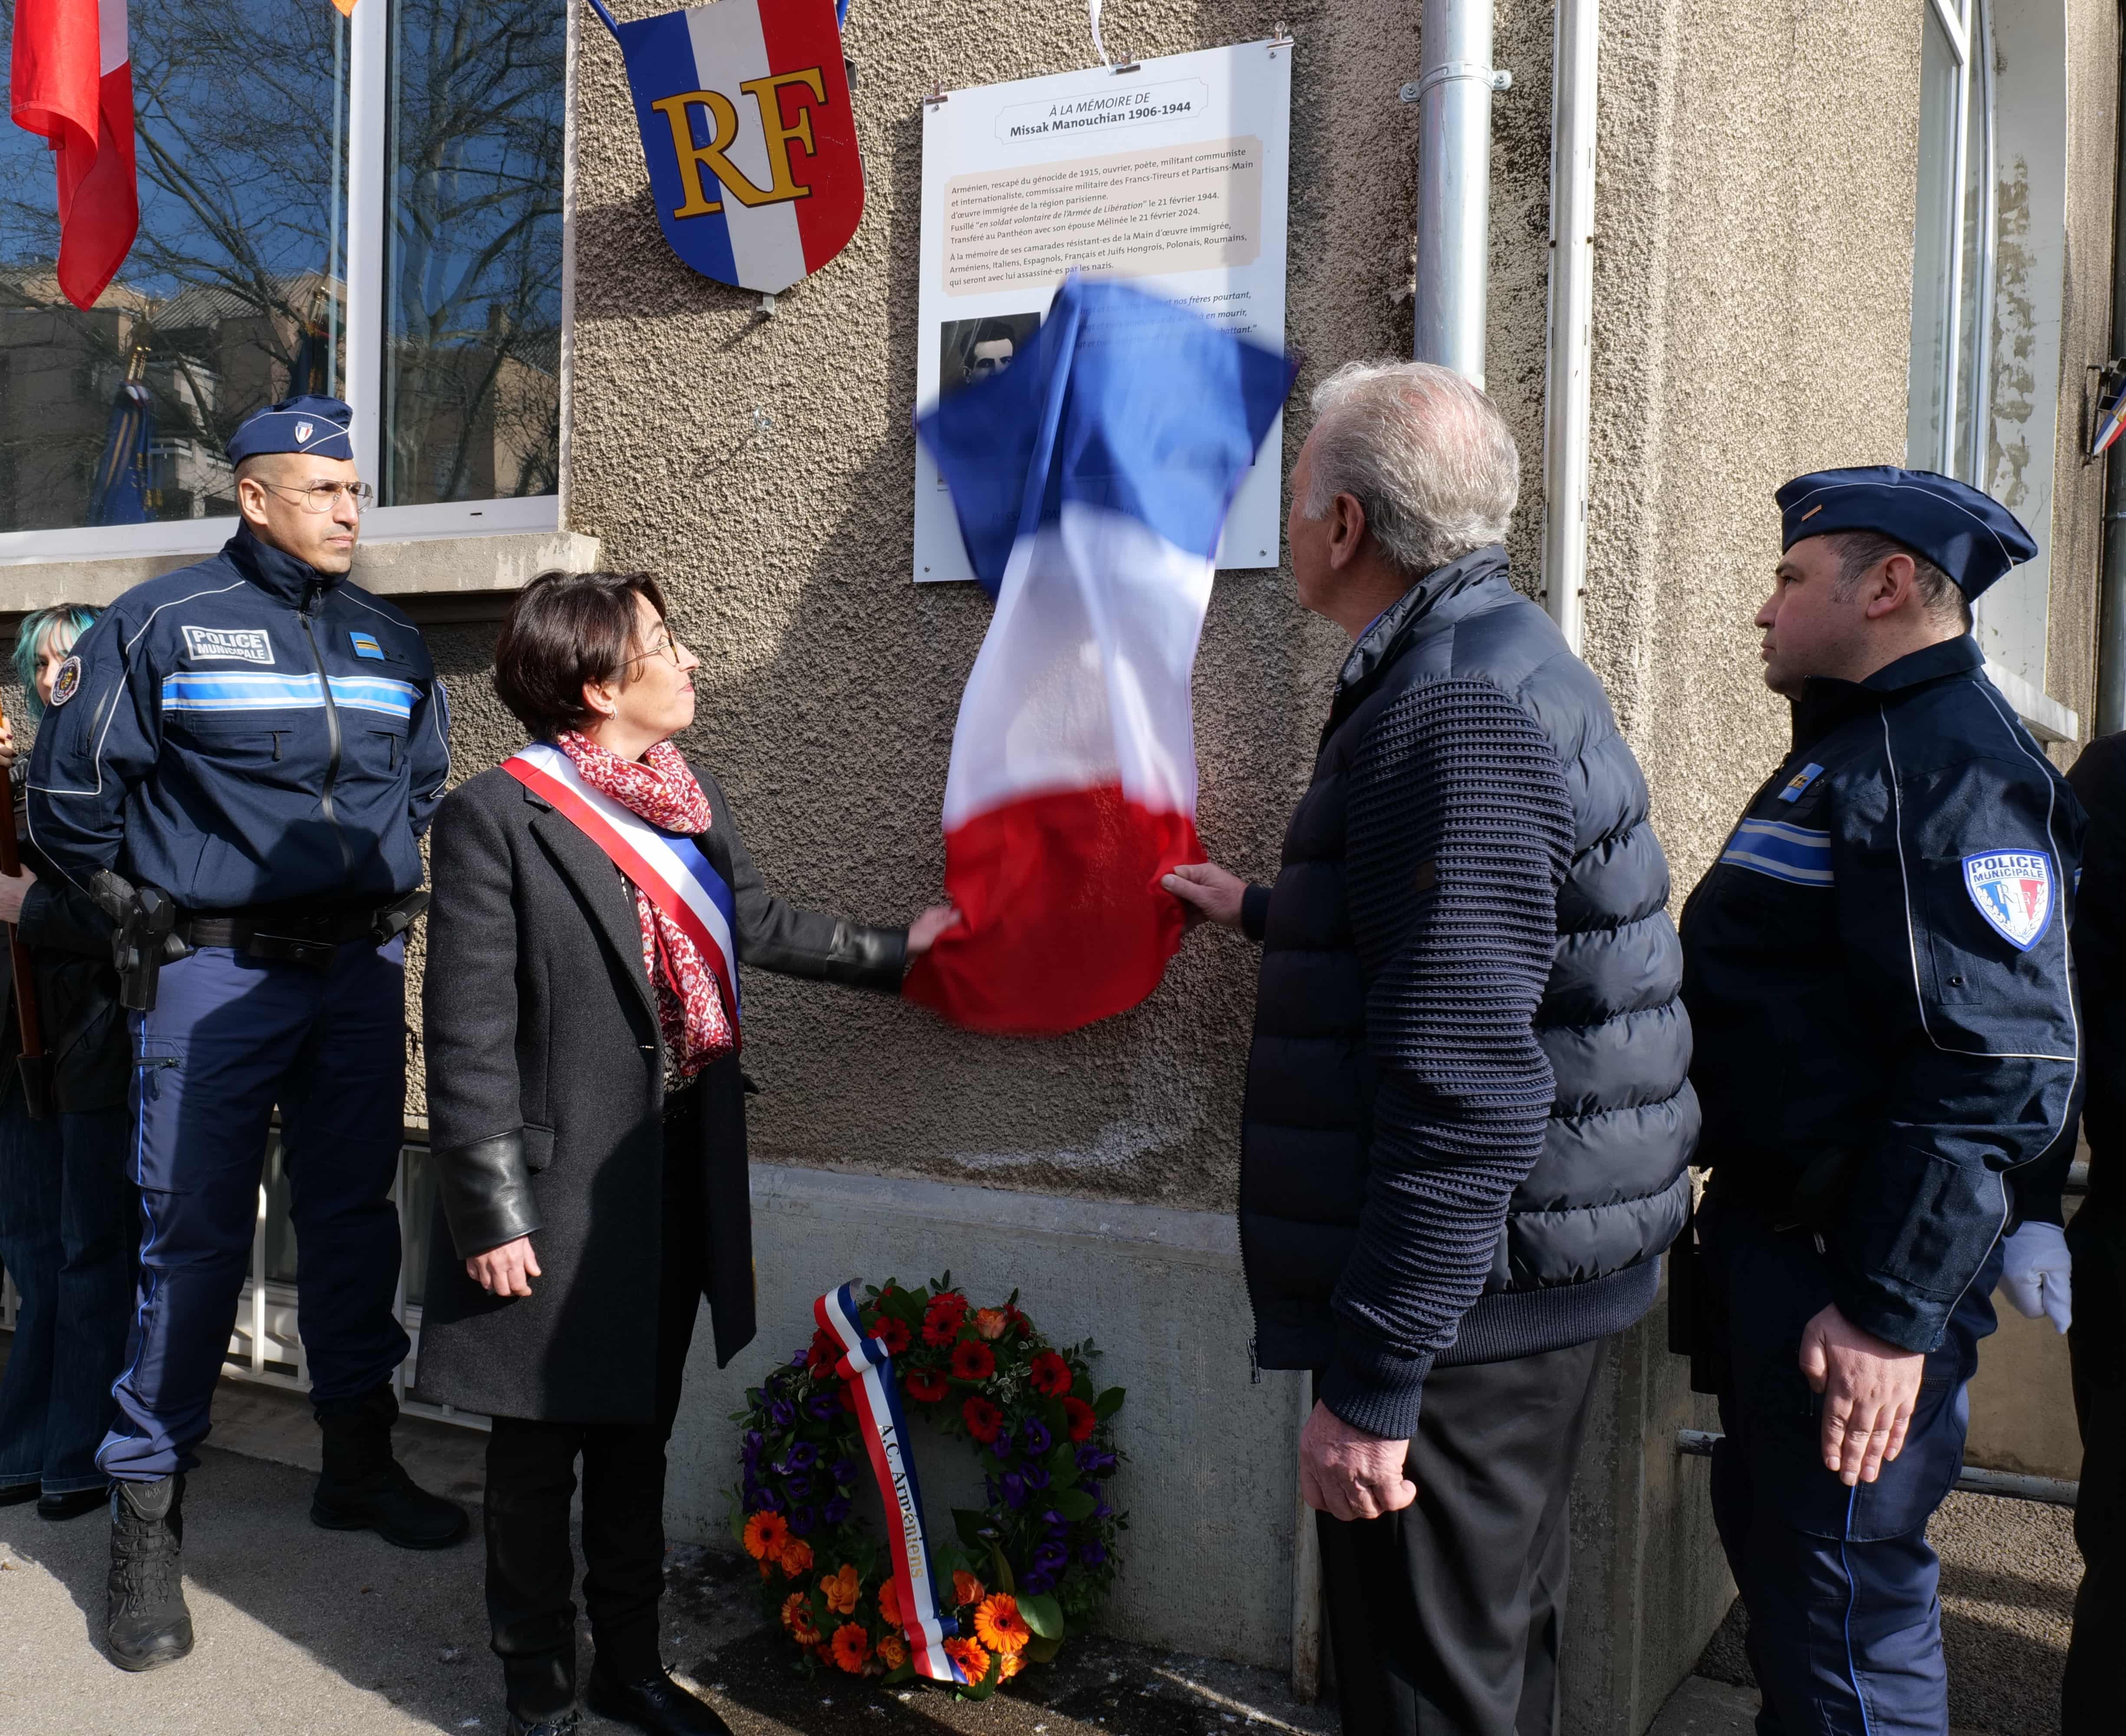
(2013, 890)
(747, 125)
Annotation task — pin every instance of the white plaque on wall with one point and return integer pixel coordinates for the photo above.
(1172, 174)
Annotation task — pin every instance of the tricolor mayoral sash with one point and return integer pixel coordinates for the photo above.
(668, 866)
(866, 1370)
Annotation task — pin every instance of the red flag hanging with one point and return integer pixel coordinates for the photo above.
(73, 85)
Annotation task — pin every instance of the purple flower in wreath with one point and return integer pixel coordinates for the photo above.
(771, 1499)
(798, 1359)
(1050, 1557)
(1101, 1510)
(782, 1414)
(1095, 1462)
(802, 1519)
(1036, 1477)
(1055, 1523)
(823, 1406)
(836, 1510)
(1014, 1490)
(800, 1486)
(1037, 1437)
(844, 1473)
(1033, 1583)
(1001, 1446)
(801, 1456)
(1092, 1553)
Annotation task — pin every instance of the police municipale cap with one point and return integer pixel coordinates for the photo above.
(1971, 536)
(314, 426)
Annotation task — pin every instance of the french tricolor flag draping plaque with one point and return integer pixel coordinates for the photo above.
(71, 84)
(1091, 478)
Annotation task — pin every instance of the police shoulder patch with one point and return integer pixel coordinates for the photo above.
(67, 681)
(2013, 890)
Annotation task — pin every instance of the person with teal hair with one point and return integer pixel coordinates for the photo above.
(44, 641)
(69, 1216)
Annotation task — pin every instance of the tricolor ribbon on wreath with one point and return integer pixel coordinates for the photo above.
(866, 1370)
(668, 866)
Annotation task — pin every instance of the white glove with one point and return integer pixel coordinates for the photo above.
(2035, 1274)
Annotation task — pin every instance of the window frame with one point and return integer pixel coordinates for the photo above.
(367, 196)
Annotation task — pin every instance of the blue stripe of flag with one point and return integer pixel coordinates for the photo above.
(705, 875)
(659, 52)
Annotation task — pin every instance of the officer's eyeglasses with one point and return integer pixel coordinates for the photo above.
(323, 497)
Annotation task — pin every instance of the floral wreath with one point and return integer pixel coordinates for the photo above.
(1041, 1555)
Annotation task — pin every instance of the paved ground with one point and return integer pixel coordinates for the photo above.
(323, 1634)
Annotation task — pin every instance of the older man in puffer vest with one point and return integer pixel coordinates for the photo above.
(1468, 1113)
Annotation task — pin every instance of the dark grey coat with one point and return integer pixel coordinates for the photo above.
(545, 1071)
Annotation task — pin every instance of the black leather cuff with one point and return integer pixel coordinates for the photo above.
(486, 1191)
(868, 958)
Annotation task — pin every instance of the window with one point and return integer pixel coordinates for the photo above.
(368, 208)
(1950, 391)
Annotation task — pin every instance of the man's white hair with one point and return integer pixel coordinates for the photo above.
(1423, 450)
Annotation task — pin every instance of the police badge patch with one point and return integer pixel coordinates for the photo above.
(2013, 890)
(67, 681)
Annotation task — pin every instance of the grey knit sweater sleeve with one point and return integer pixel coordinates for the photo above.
(1460, 832)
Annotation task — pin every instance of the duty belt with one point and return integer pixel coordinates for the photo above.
(296, 937)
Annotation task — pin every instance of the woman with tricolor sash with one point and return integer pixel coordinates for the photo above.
(592, 904)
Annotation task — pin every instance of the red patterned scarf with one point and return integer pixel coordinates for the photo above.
(690, 1007)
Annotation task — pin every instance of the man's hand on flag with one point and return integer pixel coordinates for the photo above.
(1211, 895)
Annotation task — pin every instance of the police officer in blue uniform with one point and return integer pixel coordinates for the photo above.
(239, 761)
(1887, 1053)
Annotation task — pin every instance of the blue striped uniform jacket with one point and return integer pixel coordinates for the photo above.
(244, 732)
(1877, 975)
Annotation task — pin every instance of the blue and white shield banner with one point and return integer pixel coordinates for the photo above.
(750, 133)
(2013, 890)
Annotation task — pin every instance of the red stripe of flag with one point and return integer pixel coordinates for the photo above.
(72, 85)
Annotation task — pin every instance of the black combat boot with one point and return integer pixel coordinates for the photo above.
(149, 1624)
(364, 1488)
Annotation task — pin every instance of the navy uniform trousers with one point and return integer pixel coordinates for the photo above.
(1841, 1584)
(230, 1037)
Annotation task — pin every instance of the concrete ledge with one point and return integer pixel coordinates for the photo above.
(1208, 1477)
(425, 566)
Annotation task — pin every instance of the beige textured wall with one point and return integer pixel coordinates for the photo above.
(1753, 307)
(832, 683)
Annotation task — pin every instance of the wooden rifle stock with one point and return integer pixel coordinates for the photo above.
(35, 1082)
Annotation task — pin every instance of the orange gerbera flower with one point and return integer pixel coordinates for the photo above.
(999, 1625)
(796, 1557)
(765, 1535)
(967, 1589)
(797, 1617)
(1008, 1665)
(889, 1603)
(970, 1657)
(843, 1589)
(892, 1651)
(852, 1646)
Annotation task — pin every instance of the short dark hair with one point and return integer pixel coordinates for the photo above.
(562, 630)
(1858, 550)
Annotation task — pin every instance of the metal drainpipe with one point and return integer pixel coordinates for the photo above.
(2111, 642)
(1567, 384)
(1453, 92)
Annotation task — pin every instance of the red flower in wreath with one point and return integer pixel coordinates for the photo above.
(985, 1420)
(826, 1351)
(1050, 1373)
(1079, 1418)
(941, 1320)
(892, 1333)
(926, 1385)
(973, 1360)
